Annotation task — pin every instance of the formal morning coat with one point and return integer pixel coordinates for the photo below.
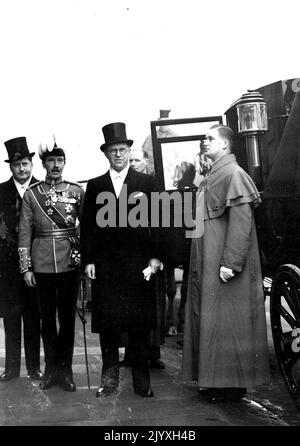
(121, 298)
(10, 205)
(46, 213)
(225, 338)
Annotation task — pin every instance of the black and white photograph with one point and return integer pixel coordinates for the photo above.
(149, 216)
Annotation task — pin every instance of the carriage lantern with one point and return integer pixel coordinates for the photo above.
(252, 122)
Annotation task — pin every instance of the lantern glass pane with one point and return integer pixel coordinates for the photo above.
(252, 117)
(264, 117)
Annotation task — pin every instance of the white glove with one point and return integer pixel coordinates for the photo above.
(154, 266)
(226, 274)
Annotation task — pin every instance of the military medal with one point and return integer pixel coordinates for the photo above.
(68, 208)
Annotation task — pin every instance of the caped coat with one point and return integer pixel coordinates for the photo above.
(225, 338)
(10, 277)
(121, 297)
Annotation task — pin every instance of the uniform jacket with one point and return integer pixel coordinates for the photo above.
(48, 254)
(121, 297)
(10, 205)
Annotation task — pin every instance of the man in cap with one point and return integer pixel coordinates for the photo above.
(17, 302)
(114, 257)
(49, 260)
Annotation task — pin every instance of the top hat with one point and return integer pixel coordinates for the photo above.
(17, 149)
(164, 114)
(115, 133)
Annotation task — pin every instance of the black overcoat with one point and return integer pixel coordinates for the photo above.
(12, 286)
(121, 298)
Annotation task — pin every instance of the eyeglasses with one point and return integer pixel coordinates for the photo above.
(115, 151)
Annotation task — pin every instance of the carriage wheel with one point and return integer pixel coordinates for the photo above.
(285, 323)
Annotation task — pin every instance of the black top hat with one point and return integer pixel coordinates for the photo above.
(17, 149)
(115, 133)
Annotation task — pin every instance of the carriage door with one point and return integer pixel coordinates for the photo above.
(176, 152)
(176, 147)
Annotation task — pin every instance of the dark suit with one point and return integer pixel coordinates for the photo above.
(122, 301)
(17, 301)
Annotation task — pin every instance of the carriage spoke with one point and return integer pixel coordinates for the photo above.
(285, 321)
(290, 293)
(281, 311)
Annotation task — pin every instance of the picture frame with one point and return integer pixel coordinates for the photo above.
(176, 144)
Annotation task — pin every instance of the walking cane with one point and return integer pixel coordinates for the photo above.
(83, 320)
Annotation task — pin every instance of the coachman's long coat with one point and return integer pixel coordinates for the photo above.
(11, 281)
(225, 340)
(121, 298)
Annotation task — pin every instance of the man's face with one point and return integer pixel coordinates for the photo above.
(54, 166)
(118, 155)
(214, 145)
(21, 169)
(137, 160)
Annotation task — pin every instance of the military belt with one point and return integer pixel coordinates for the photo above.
(56, 233)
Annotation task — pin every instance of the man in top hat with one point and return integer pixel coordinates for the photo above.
(49, 260)
(17, 302)
(114, 258)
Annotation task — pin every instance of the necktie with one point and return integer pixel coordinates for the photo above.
(22, 190)
(118, 185)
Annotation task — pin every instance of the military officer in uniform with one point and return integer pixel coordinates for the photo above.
(17, 302)
(49, 260)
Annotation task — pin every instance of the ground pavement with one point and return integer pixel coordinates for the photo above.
(175, 403)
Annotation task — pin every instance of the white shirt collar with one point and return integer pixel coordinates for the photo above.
(118, 178)
(21, 188)
(114, 174)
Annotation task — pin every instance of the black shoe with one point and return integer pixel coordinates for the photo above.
(67, 384)
(235, 393)
(106, 391)
(145, 393)
(225, 395)
(35, 375)
(7, 375)
(156, 364)
(48, 381)
(206, 392)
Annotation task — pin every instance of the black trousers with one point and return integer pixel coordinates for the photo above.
(139, 357)
(58, 294)
(27, 310)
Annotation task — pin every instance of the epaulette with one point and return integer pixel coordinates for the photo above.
(74, 183)
(34, 184)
